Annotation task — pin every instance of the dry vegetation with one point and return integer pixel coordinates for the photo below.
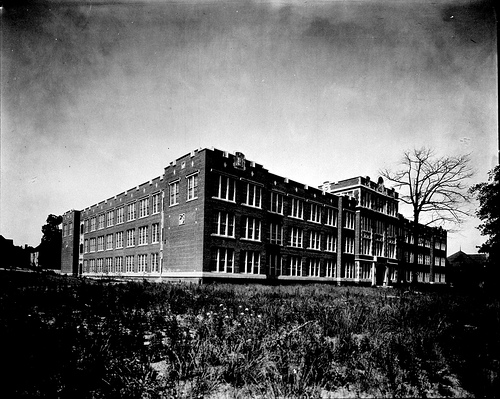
(65, 337)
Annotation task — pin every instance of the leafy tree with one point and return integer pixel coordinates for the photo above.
(434, 186)
(50, 247)
(488, 195)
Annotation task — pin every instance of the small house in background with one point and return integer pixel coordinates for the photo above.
(466, 270)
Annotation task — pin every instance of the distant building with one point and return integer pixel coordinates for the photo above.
(12, 256)
(467, 270)
(216, 216)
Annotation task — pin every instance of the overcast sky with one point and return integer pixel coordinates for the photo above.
(99, 96)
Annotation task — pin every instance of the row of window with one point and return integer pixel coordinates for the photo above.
(143, 263)
(226, 190)
(143, 235)
(425, 242)
(378, 203)
(377, 227)
(423, 259)
(191, 189)
(222, 261)
(141, 208)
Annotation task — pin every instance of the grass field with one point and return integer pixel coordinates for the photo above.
(67, 337)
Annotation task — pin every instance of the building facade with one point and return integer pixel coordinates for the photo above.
(216, 216)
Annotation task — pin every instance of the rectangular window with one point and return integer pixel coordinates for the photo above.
(349, 245)
(131, 211)
(86, 225)
(86, 246)
(155, 263)
(109, 241)
(93, 222)
(110, 218)
(119, 239)
(296, 237)
(142, 263)
(331, 269)
(100, 243)
(297, 209)
(70, 228)
(130, 238)
(109, 266)
(223, 224)
(276, 203)
(253, 196)
(192, 187)
(65, 230)
(314, 267)
(365, 271)
(349, 270)
(276, 234)
(85, 266)
(144, 207)
(391, 248)
(295, 266)
(155, 233)
(421, 259)
(275, 265)
(92, 244)
(349, 220)
(222, 260)
(331, 217)
(174, 193)
(251, 260)
(155, 203)
(120, 215)
(251, 229)
(315, 240)
(315, 215)
(100, 265)
(119, 264)
(366, 245)
(427, 260)
(378, 248)
(92, 268)
(129, 263)
(331, 243)
(366, 224)
(100, 219)
(226, 189)
(143, 235)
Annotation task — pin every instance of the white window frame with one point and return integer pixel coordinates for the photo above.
(143, 207)
(315, 240)
(315, 215)
(276, 233)
(253, 196)
(173, 193)
(252, 229)
(251, 260)
(296, 237)
(143, 235)
(224, 224)
(192, 186)
(277, 201)
(227, 186)
(297, 208)
(120, 215)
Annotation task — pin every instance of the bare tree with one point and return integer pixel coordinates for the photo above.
(434, 186)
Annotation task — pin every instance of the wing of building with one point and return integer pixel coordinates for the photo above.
(216, 216)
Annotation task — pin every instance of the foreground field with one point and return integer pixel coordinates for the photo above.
(64, 337)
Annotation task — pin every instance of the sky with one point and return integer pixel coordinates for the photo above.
(98, 97)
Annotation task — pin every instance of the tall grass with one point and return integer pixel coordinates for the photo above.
(64, 337)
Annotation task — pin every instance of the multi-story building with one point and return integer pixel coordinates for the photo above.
(213, 215)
